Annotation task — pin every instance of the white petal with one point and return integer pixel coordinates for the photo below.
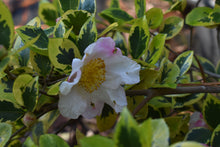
(92, 111)
(124, 67)
(73, 104)
(117, 96)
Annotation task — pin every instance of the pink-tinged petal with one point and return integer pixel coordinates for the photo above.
(73, 104)
(93, 109)
(103, 47)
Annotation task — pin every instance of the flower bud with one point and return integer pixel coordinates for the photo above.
(29, 119)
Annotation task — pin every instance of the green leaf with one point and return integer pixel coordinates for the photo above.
(154, 17)
(205, 63)
(88, 5)
(29, 143)
(48, 13)
(126, 131)
(69, 4)
(4, 63)
(171, 26)
(25, 90)
(59, 30)
(179, 102)
(169, 74)
(9, 112)
(108, 29)
(139, 37)
(75, 19)
(41, 64)
(96, 141)
(114, 4)
(211, 107)
(107, 119)
(37, 131)
(87, 34)
(116, 15)
(161, 102)
(184, 61)
(178, 5)
(120, 42)
(201, 135)
(203, 16)
(217, 3)
(6, 26)
(47, 140)
(160, 133)
(215, 139)
(146, 133)
(187, 144)
(155, 49)
(62, 52)
(140, 7)
(28, 33)
(54, 89)
(6, 94)
(5, 133)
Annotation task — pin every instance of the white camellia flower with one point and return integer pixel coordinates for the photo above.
(97, 79)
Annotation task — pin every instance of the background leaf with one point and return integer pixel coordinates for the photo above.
(154, 17)
(48, 13)
(96, 141)
(140, 7)
(47, 140)
(69, 4)
(215, 139)
(88, 5)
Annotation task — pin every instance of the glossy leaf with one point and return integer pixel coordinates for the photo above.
(187, 144)
(28, 33)
(96, 141)
(87, 34)
(201, 135)
(5, 133)
(9, 112)
(107, 119)
(75, 19)
(47, 140)
(139, 38)
(48, 13)
(154, 17)
(54, 89)
(171, 26)
(6, 26)
(62, 52)
(184, 61)
(69, 4)
(155, 49)
(59, 30)
(215, 139)
(88, 5)
(116, 15)
(211, 107)
(41, 64)
(140, 7)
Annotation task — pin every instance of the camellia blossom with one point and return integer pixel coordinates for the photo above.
(97, 79)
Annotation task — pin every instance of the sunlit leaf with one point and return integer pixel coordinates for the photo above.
(29, 143)
(6, 26)
(187, 144)
(5, 133)
(171, 26)
(154, 17)
(54, 89)
(139, 37)
(108, 29)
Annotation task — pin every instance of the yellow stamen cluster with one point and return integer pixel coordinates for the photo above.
(93, 75)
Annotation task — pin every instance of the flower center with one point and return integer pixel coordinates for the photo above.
(93, 75)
